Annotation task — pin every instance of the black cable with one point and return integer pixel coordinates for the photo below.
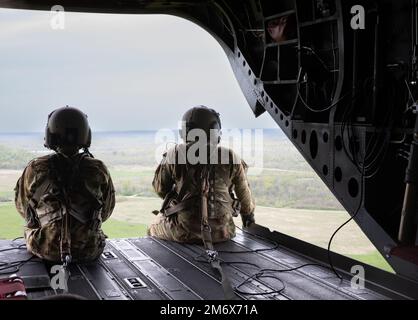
(379, 149)
(296, 268)
(205, 260)
(261, 272)
(381, 154)
(298, 91)
(382, 150)
(274, 247)
(287, 270)
(316, 110)
(251, 250)
(365, 166)
(349, 220)
(16, 265)
(346, 120)
(21, 246)
(361, 199)
(346, 116)
(258, 276)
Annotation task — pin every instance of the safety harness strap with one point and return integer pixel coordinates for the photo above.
(183, 205)
(65, 241)
(183, 198)
(211, 253)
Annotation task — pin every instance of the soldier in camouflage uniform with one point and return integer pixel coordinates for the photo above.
(179, 183)
(65, 196)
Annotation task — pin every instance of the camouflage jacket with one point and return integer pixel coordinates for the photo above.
(184, 181)
(89, 202)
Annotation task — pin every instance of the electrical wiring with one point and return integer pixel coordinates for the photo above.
(346, 116)
(376, 139)
(381, 139)
(251, 251)
(22, 246)
(379, 149)
(258, 276)
(204, 260)
(298, 91)
(317, 110)
(368, 168)
(265, 273)
(365, 166)
(388, 123)
(14, 266)
(262, 272)
(358, 210)
(10, 267)
(274, 247)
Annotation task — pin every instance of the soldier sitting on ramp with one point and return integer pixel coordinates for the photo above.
(203, 185)
(65, 196)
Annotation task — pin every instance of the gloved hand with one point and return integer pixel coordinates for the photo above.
(247, 220)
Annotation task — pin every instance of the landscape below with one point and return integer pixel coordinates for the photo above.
(290, 197)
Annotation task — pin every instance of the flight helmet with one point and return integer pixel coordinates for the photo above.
(203, 118)
(67, 128)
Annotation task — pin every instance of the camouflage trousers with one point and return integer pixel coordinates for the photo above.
(86, 245)
(183, 230)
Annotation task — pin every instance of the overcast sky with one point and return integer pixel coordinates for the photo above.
(127, 72)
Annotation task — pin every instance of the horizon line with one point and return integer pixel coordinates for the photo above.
(127, 131)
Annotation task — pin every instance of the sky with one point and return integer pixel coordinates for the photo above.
(126, 72)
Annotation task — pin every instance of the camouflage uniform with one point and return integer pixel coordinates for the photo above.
(92, 192)
(186, 225)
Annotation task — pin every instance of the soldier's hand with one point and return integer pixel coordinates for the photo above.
(247, 220)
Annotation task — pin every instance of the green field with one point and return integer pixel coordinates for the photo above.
(12, 225)
(11, 222)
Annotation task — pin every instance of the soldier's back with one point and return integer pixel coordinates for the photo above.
(81, 187)
(187, 183)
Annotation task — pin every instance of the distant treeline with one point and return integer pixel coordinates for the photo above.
(14, 158)
(272, 188)
(132, 160)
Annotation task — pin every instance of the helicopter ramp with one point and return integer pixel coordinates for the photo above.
(257, 267)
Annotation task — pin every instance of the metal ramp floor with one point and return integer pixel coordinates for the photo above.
(152, 269)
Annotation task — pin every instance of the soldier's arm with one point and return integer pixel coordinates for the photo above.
(242, 189)
(22, 191)
(108, 197)
(163, 180)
